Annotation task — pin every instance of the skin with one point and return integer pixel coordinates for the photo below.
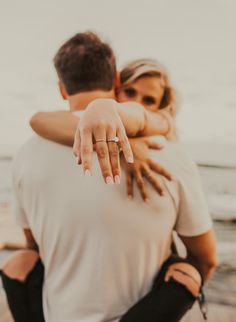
(146, 90)
(61, 126)
(103, 119)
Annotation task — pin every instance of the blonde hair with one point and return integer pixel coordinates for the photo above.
(149, 67)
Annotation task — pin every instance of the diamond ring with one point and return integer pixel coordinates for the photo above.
(115, 139)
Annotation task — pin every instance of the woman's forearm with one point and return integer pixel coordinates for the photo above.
(140, 122)
(58, 126)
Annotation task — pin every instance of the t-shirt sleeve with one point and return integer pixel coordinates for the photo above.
(19, 214)
(193, 214)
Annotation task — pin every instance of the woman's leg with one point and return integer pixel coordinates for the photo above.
(173, 293)
(22, 278)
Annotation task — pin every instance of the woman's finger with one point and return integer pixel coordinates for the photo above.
(141, 184)
(100, 140)
(114, 154)
(154, 145)
(86, 150)
(160, 169)
(76, 146)
(125, 145)
(152, 178)
(129, 184)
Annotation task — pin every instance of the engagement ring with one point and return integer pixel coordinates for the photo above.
(115, 139)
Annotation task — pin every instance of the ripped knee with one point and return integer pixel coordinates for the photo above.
(20, 264)
(185, 274)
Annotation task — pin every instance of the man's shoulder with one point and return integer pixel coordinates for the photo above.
(184, 168)
(37, 142)
(180, 153)
(37, 149)
(175, 155)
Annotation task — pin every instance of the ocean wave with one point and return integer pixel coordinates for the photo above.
(222, 206)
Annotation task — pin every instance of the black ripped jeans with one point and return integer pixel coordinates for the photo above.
(166, 301)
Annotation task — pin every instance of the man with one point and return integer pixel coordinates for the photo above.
(100, 251)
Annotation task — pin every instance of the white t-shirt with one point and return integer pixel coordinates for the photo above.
(101, 251)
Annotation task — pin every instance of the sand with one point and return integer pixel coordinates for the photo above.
(11, 236)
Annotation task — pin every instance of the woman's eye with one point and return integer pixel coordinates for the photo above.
(148, 100)
(130, 92)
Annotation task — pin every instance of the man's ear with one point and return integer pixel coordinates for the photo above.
(62, 90)
(117, 82)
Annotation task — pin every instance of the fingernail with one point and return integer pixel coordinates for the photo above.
(130, 159)
(117, 179)
(163, 193)
(109, 180)
(87, 173)
(146, 200)
(77, 160)
(130, 197)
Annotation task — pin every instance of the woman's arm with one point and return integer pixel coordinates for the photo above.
(60, 126)
(140, 122)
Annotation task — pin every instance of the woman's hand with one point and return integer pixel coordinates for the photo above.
(144, 167)
(101, 125)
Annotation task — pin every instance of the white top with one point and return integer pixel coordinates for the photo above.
(101, 251)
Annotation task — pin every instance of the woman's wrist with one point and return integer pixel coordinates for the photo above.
(167, 118)
(133, 117)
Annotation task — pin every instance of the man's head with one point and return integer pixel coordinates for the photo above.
(85, 63)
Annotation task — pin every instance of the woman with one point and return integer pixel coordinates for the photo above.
(144, 81)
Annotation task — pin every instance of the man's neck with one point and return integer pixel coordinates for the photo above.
(80, 101)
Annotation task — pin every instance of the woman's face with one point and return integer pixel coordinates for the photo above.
(146, 90)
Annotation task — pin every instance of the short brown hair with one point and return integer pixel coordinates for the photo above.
(85, 63)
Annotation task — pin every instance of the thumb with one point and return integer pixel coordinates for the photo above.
(154, 145)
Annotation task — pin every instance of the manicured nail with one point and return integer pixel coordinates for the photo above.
(146, 200)
(87, 173)
(117, 179)
(109, 180)
(130, 197)
(130, 160)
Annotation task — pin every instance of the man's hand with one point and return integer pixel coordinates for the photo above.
(100, 125)
(144, 167)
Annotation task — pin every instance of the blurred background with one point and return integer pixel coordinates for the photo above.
(196, 42)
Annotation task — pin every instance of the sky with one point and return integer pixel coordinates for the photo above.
(194, 39)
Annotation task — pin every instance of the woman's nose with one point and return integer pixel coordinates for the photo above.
(138, 99)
